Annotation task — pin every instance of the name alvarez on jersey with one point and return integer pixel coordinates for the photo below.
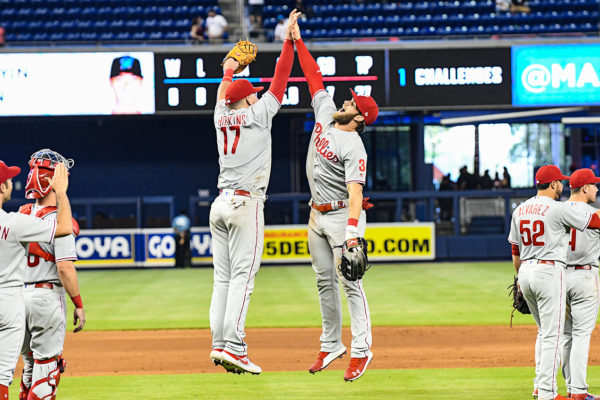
(533, 209)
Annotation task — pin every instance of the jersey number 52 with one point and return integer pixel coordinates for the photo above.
(236, 129)
(531, 236)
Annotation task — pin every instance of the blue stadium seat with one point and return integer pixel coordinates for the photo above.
(140, 35)
(57, 37)
(156, 36)
(89, 36)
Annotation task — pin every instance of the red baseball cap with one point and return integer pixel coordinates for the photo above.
(367, 107)
(239, 89)
(582, 177)
(7, 172)
(549, 173)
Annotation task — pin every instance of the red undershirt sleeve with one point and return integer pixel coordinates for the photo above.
(310, 68)
(282, 70)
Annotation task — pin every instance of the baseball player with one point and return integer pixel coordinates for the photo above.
(582, 289)
(539, 237)
(50, 272)
(243, 127)
(336, 167)
(16, 230)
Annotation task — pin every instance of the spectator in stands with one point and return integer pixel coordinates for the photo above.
(216, 26)
(497, 181)
(2, 39)
(506, 179)
(518, 6)
(256, 9)
(280, 29)
(466, 181)
(181, 225)
(198, 31)
(446, 202)
(503, 5)
(302, 8)
(486, 180)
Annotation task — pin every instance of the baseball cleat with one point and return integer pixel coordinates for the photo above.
(238, 364)
(559, 397)
(584, 396)
(216, 356)
(325, 359)
(535, 394)
(357, 367)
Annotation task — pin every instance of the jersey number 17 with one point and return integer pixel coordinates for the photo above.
(236, 129)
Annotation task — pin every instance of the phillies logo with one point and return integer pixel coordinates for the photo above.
(321, 145)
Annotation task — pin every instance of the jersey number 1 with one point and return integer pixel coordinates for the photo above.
(236, 129)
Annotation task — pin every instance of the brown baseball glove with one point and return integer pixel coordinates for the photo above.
(244, 52)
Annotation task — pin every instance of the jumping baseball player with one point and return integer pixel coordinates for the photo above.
(336, 167)
(16, 230)
(539, 237)
(49, 273)
(243, 127)
(582, 289)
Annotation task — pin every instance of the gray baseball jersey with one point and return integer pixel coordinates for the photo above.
(584, 247)
(15, 231)
(244, 144)
(335, 158)
(540, 227)
(63, 249)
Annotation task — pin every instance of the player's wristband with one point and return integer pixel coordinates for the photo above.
(77, 301)
(352, 221)
(228, 75)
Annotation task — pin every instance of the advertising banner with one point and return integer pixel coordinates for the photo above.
(556, 75)
(284, 244)
(106, 248)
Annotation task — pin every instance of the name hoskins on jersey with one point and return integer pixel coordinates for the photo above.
(231, 120)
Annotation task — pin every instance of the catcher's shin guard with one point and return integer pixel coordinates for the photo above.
(45, 387)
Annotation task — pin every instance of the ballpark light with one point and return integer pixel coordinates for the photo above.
(580, 120)
(518, 114)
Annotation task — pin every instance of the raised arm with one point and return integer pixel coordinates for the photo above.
(229, 66)
(310, 68)
(285, 62)
(60, 183)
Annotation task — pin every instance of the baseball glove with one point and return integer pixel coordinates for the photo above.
(519, 303)
(244, 52)
(354, 259)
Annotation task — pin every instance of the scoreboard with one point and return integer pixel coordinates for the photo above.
(398, 77)
(188, 82)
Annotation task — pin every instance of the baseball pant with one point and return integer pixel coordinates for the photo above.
(326, 234)
(582, 307)
(12, 328)
(237, 226)
(543, 287)
(46, 321)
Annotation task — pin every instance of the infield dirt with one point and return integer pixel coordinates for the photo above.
(292, 349)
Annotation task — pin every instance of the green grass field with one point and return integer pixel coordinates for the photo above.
(399, 295)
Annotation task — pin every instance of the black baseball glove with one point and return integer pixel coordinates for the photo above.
(519, 303)
(354, 259)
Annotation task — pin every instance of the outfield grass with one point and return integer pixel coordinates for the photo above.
(425, 384)
(398, 294)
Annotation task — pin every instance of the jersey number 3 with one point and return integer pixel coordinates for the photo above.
(530, 236)
(236, 129)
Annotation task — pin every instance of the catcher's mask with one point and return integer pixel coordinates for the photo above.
(41, 165)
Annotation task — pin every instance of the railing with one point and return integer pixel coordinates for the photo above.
(406, 206)
(133, 206)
